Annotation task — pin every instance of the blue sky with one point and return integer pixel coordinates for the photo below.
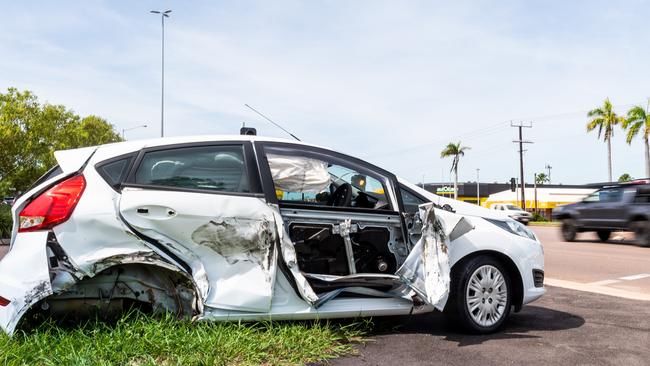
(391, 82)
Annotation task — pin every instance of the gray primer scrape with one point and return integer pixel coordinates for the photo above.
(238, 239)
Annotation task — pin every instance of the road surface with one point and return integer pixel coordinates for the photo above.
(618, 267)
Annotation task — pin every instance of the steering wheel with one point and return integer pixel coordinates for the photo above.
(342, 196)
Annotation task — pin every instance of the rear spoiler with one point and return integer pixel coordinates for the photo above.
(73, 160)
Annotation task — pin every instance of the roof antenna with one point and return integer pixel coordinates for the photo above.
(268, 119)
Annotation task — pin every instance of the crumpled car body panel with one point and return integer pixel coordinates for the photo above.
(25, 278)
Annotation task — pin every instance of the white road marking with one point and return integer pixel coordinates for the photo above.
(604, 282)
(598, 289)
(635, 277)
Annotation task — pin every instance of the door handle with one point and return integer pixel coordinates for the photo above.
(142, 210)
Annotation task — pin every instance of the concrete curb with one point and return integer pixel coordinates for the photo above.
(596, 288)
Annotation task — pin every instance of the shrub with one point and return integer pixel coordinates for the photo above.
(5, 221)
(539, 218)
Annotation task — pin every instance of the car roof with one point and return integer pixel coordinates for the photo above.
(161, 141)
(114, 149)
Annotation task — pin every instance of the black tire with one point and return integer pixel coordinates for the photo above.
(641, 232)
(457, 308)
(603, 235)
(569, 230)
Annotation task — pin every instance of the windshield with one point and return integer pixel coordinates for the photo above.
(513, 208)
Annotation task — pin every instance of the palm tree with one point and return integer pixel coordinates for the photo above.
(604, 119)
(455, 151)
(638, 120)
(541, 178)
(625, 178)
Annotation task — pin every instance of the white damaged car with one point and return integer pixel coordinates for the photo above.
(251, 228)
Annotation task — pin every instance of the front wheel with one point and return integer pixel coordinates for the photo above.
(642, 232)
(480, 295)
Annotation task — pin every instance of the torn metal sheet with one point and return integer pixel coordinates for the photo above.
(290, 260)
(24, 278)
(298, 174)
(426, 269)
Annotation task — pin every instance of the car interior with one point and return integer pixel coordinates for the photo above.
(306, 185)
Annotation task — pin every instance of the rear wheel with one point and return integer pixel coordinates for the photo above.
(480, 296)
(569, 230)
(603, 235)
(642, 232)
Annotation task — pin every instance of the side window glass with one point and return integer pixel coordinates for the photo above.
(611, 195)
(594, 197)
(308, 180)
(212, 168)
(410, 201)
(115, 171)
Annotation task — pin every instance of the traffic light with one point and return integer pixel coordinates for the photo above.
(513, 184)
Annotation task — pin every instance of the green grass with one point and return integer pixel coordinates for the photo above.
(138, 339)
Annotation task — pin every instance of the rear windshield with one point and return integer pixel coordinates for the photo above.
(53, 172)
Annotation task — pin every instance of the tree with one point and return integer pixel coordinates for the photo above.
(625, 178)
(455, 151)
(604, 119)
(541, 178)
(30, 132)
(638, 121)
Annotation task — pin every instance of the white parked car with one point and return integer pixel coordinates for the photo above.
(247, 228)
(515, 212)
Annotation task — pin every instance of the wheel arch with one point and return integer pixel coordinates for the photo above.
(511, 267)
(148, 280)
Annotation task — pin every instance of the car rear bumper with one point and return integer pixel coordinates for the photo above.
(24, 277)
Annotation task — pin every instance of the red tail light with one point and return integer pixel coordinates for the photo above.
(4, 302)
(52, 207)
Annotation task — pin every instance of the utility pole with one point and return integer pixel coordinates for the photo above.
(521, 142)
(535, 180)
(163, 15)
(478, 192)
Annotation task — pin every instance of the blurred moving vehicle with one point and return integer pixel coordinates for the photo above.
(620, 207)
(8, 201)
(515, 212)
(251, 228)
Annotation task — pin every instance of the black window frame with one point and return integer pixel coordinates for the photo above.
(116, 187)
(254, 180)
(401, 187)
(326, 155)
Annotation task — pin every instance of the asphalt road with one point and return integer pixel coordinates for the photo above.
(565, 327)
(618, 267)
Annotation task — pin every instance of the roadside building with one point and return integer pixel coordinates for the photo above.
(548, 196)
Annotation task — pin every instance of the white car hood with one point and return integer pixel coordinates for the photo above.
(460, 207)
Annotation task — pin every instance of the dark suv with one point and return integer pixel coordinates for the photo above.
(623, 207)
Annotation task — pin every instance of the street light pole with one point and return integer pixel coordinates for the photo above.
(478, 194)
(163, 15)
(129, 129)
